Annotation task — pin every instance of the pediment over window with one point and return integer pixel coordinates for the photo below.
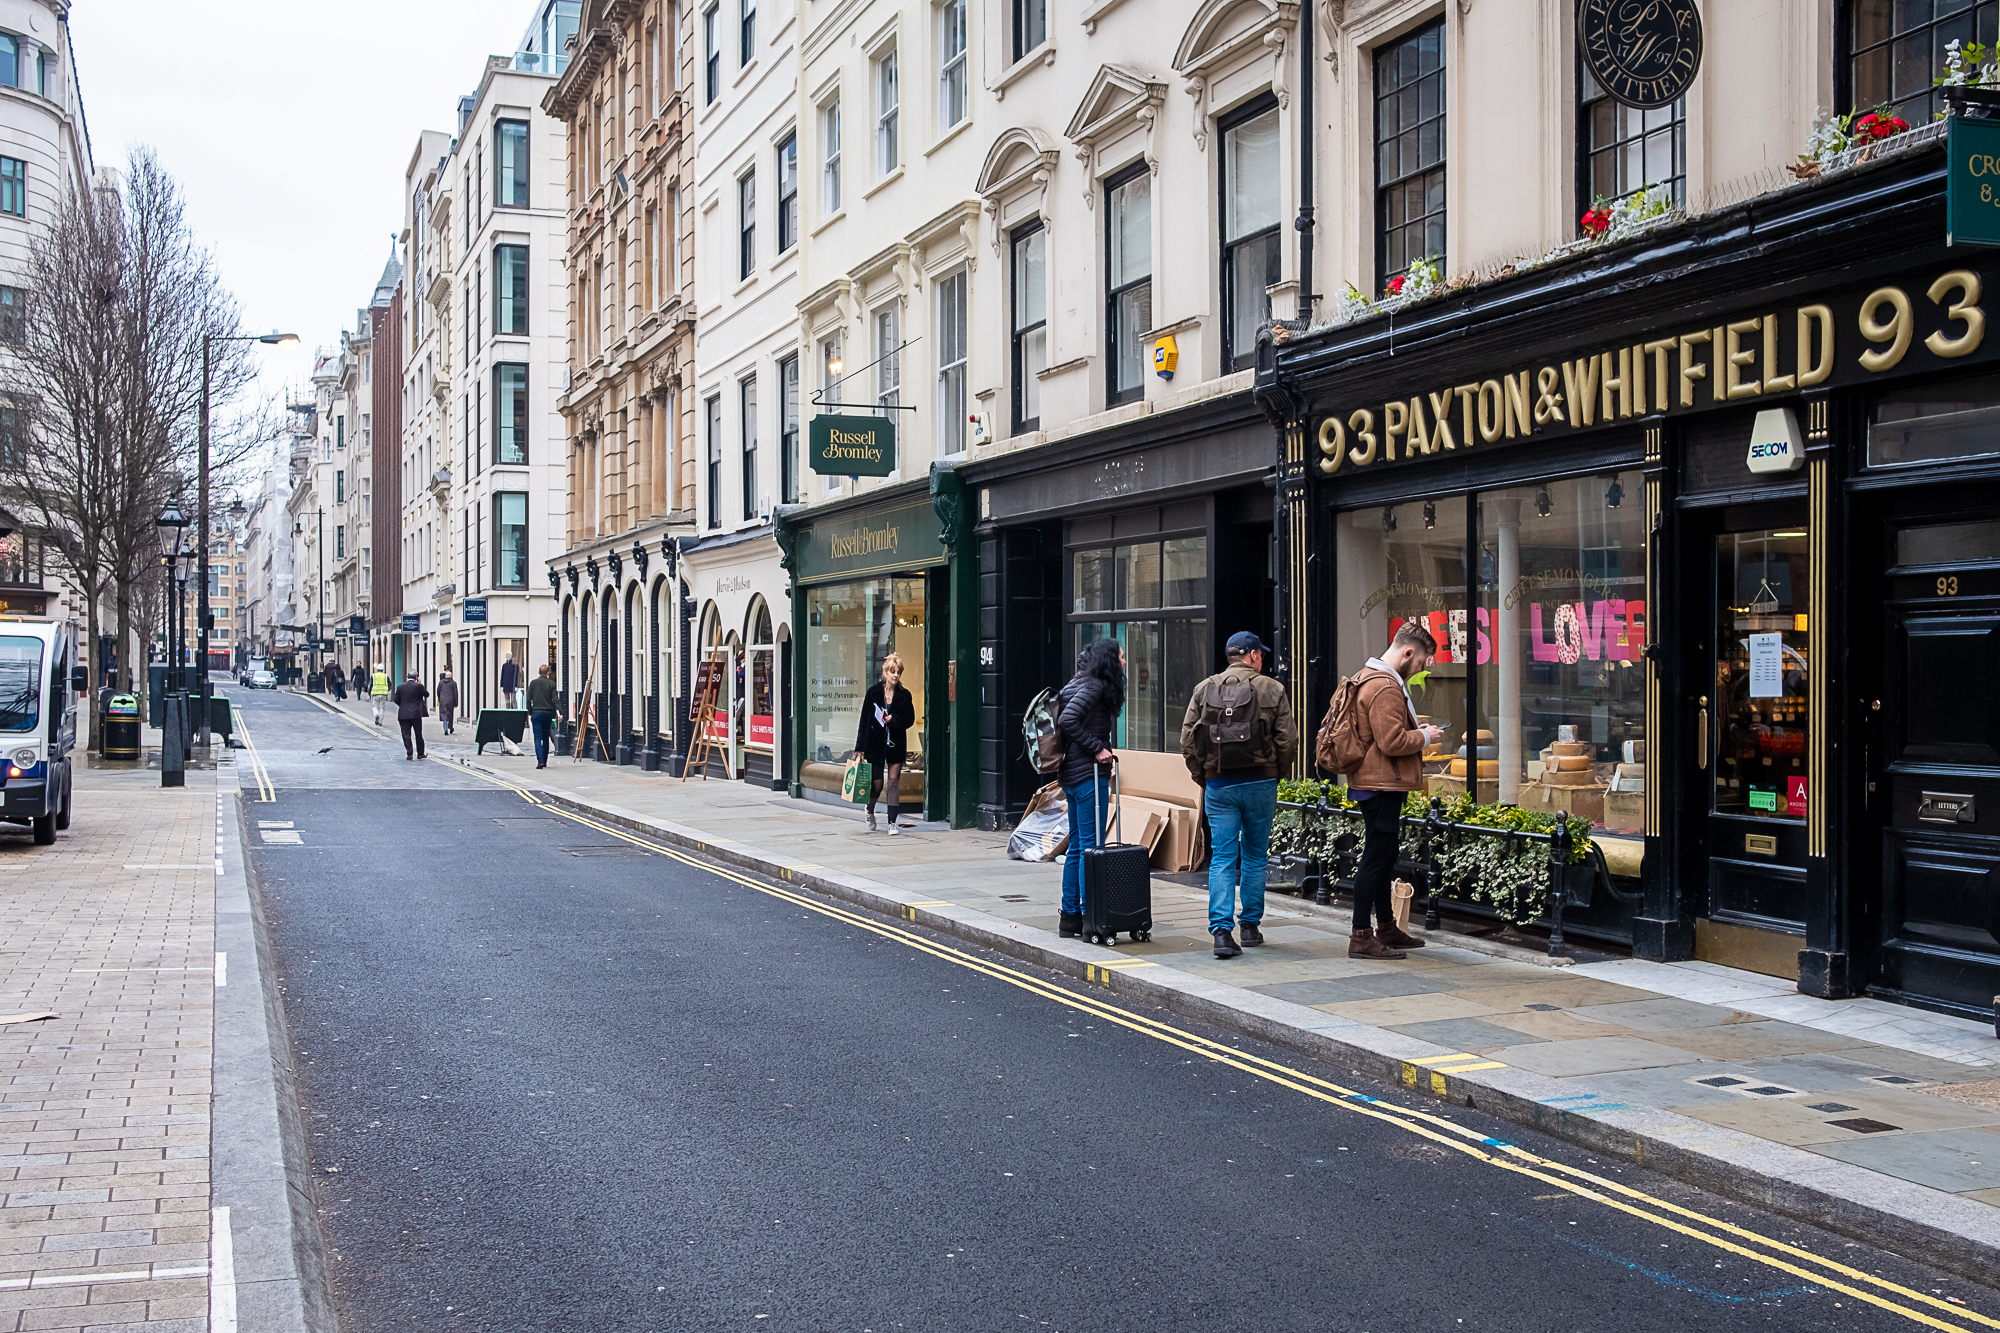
(1226, 31)
(1116, 96)
(1014, 158)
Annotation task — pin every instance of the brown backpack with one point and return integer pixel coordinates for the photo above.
(1341, 744)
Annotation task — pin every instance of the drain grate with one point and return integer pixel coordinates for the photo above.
(607, 850)
(1013, 897)
(1863, 1125)
(1770, 1090)
(1831, 1108)
(1720, 1081)
(1544, 1008)
(1894, 1080)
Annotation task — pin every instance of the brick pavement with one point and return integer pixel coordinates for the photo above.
(104, 1114)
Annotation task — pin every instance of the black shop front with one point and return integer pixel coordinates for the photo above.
(1707, 527)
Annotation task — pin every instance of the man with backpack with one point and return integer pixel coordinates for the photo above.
(1372, 736)
(1237, 737)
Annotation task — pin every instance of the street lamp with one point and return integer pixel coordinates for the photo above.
(201, 518)
(173, 754)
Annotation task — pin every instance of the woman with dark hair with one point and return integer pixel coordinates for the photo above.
(1087, 710)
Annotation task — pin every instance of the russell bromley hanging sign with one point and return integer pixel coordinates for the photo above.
(853, 446)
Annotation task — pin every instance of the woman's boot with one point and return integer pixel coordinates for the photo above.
(1363, 944)
(1072, 925)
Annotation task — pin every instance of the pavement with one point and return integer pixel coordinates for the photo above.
(1877, 1119)
(559, 1074)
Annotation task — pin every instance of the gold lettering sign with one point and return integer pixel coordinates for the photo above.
(1734, 361)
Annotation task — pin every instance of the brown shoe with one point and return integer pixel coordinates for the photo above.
(1396, 937)
(1363, 944)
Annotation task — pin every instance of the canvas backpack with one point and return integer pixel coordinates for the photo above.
(1341, 746)
(1232, 729)
(1038, 730)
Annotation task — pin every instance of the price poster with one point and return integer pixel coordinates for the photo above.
(1767, 670)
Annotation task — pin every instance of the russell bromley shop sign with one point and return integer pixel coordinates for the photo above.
(852, 446)
(874, 541)
(1919, 323)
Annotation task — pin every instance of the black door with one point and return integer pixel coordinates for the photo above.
(1750, 725)
(1934, 742)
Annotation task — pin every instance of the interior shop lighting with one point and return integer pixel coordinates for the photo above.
(1542, 502)
(1614, 495)
(1430, 514)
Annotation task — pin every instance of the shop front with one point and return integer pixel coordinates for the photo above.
(871, 579)
(1707, 528)
(1157, 534)
(735, 580)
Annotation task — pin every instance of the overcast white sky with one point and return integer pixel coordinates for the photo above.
(289, 125)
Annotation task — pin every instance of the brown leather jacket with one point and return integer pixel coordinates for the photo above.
(1394, 761)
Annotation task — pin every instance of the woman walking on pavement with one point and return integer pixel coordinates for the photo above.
(378, 692)
(1087, 710)
(447, 697)
(336, 680)
(887, 715)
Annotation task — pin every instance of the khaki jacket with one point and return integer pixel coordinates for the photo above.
(1394, 761)
(1276, 709)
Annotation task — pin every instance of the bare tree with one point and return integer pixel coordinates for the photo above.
(112, 360)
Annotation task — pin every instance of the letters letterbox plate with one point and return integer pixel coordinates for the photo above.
(1944, 807)
(1760, 844)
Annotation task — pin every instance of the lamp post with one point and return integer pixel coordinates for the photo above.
(173, 752)
(201, 506)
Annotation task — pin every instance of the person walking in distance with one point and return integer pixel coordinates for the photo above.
(447, 697)
(412, 703)
(887, 715)
(542, 710)
(1391, 767)
(378, 692)
(510, 681)
(1237, 737)
(1087, 710)
(336, 681)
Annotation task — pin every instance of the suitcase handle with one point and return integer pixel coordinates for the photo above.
(1117, 816)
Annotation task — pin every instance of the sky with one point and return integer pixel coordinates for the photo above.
(289, 126)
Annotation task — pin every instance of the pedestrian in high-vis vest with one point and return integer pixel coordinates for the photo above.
(378, 693)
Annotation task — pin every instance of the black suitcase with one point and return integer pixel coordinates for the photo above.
(1117, 882)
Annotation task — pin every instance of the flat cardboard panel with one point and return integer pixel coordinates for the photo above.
(1159, 777)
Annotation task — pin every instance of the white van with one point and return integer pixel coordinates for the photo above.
(39, 681)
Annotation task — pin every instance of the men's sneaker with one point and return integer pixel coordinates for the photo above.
(1252, 936)
(871, 823)
(894, 829)
(1226, 945)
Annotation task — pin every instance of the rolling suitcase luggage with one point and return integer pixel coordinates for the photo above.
(1117, 880)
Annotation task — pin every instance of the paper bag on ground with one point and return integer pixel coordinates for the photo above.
(1401, 892)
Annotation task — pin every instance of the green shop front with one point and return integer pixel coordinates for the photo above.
(890, 571)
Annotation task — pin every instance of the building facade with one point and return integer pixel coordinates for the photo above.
(627, 404)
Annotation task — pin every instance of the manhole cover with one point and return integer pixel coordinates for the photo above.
(1863, 1125)
(1830, 1108)
(610, 849)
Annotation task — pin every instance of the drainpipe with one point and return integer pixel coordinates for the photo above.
(1304, 223)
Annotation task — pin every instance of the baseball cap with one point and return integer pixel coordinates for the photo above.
(1243, 641)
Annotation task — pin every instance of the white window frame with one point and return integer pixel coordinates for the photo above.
(886, 328)
(951, 422)
(830, 199)
(953, 79)
(888, 113)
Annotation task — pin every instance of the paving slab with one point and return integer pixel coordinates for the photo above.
(1595, 1055)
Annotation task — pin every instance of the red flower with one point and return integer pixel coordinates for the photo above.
(1873, 128)
(1597, 221)
(1395, 285)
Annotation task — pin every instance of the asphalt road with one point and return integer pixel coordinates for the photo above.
(556, 1081)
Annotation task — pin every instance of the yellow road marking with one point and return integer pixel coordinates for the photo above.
(1444, 1132)
(376, 732)
(266, 793)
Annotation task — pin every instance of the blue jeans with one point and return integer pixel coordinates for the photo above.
(1239, 828)
(1085, 823)
(543, 722)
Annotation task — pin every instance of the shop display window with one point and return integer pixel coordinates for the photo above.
(1761, 670)
(1537, 680)
(850, 629)
(1151, 597)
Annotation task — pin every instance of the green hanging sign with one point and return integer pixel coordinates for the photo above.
(1972, 182)
(852, 446)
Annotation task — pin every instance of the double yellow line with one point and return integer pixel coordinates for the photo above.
(1917, 1306)
(266, 793)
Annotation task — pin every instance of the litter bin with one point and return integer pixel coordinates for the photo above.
(121, 727)
(220, 722)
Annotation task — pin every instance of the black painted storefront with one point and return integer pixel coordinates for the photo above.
(1846, 829)
(1060, 525)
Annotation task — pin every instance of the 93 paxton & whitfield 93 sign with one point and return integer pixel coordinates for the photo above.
(852, 446)
(1918, 323)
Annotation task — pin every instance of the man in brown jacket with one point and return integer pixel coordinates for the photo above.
(1392, 767)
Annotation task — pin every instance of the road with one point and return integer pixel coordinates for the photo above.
(555, 1079)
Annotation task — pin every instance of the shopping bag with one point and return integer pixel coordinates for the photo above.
(1043, 833)
(858, 782)
(1400, 893)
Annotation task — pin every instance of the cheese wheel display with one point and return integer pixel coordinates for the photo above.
(1488, 768)
(1572, 747)
(1559, 778)
(1572, 763)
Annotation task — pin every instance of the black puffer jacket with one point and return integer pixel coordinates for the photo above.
(1085, 717)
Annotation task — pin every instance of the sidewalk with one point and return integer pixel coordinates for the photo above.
(1873, 1119)
(105, 1151)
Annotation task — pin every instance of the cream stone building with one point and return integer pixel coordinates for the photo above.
(627, 409)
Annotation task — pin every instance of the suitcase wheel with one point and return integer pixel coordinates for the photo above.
(1142, 936)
